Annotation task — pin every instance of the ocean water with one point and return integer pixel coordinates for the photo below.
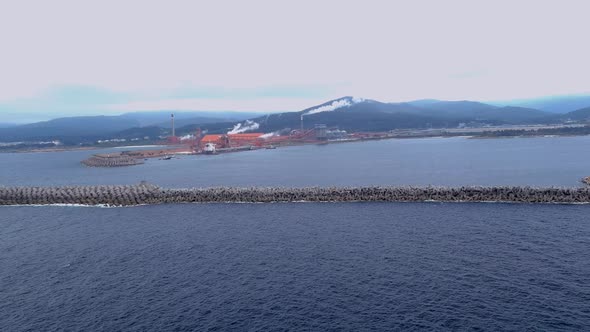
(304, 266)
(555, 161)
(296, 266)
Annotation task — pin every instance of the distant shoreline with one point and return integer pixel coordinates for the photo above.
(474, 133)
(78, 148)
(54, 149)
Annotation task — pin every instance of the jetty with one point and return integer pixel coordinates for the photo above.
(145, 193)
(130, 158)
(111, 160)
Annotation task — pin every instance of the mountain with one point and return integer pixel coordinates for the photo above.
(459, 108)
(162, 118)
(195, 120)
(356, 114)
(153, 132)
(578, 115)
(348, 113)
(484, 112)
(91, 128)
(84, 126)
(423, 102)
(523, 115)
(553, 104)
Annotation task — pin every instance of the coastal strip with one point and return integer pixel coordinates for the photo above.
(144, 193)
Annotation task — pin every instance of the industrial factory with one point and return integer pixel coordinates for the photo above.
(202, 143)
(243, 137)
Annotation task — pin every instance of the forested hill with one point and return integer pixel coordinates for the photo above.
(357, 114)
(347, 113)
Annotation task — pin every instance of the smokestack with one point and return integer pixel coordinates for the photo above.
(173, 132)
(301, 122)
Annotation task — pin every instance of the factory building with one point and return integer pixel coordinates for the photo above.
(231, 140)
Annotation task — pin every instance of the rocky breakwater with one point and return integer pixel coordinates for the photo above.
(380, 194)
(111, 160)
(81, 195)
(149, 194)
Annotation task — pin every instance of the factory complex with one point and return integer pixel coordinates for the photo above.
(240, 139)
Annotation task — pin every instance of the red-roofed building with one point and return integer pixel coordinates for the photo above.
(231, 140)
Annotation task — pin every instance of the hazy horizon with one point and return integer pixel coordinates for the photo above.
(67, 58)
(31, 117)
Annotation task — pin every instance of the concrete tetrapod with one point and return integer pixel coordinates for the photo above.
(144, 193)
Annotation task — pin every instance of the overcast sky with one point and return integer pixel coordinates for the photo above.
(88, 57)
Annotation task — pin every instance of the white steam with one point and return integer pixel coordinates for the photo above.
(187, 137)
(246, 126)
(335, 105)
(269, 135)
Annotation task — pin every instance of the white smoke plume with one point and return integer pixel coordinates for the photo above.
(187, 137)
(269, 135)
(335, 105)
(246, 126)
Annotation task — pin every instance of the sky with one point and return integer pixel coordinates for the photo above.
(112, 56)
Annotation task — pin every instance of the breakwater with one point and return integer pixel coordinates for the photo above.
(111, 160)
(144, 193)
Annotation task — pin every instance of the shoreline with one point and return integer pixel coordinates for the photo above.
(464, 136)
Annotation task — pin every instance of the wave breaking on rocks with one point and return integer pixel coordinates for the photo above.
(144, 193)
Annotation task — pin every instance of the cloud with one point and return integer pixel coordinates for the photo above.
(91, 100)
(241, 93)
(148, 52)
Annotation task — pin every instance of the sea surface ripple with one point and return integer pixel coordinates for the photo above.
(278, 267)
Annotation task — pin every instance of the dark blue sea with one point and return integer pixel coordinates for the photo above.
(304, 266)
